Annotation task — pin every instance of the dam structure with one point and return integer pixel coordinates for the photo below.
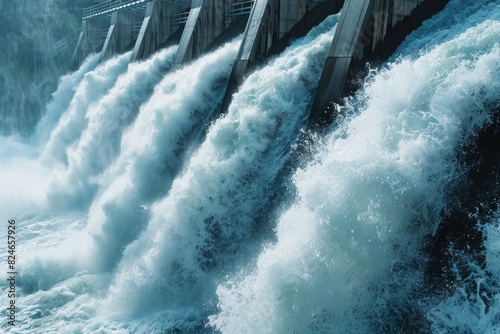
(367, 30)
(252, 166)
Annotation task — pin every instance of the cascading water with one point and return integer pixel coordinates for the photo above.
(139, 211)
(99, 143)
(153, 151)
(196, 230)
(88, 93)
(349, 249)
(61, 99)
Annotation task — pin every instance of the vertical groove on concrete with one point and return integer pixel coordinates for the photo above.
(367, 29)
(348, 43)
(206, 21)
(88, 41)
(156, 28)
(119, 34)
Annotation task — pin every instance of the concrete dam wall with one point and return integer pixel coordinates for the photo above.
(367, 30)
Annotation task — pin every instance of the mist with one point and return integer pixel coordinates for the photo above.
(38, 39)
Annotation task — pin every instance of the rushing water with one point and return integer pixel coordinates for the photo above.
(140, 210)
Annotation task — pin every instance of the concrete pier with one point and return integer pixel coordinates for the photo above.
(88, 41)
(272, 23)
(348, 43)
(119, 35)
(113, 26)
(157, 27)
(367, 30)
(206, 21)
(268, 22)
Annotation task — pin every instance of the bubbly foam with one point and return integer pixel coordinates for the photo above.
(197, 229)
(99, 143)
(348, 250)
(177, 237)
(94, 85)
(61, 99)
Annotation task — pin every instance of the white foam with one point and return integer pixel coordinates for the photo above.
(99, 143)
(152, 150)
(94, 85)
(348, 248)
(61, 99)
(197, 230)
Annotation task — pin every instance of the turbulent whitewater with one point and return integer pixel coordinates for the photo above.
(141, 209)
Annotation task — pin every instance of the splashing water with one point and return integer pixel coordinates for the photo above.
(61, 99)
(140, 211)
(94, 85)
(209, 211)
(348, 249)
(99, 143)
(153, 150)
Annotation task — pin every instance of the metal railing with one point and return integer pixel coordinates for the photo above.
(240, 8)
(180, 18)
(232, 10)
(116, 5)
(110, 6)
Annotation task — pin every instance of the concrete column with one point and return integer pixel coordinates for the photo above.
(271, 24)
(119, 34)
(368, 29)
(206, 21)
(258, 35)
(270, 21)
(349, 42)
(88, 41)
(156, 28)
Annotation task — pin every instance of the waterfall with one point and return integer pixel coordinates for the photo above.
(141, 208)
